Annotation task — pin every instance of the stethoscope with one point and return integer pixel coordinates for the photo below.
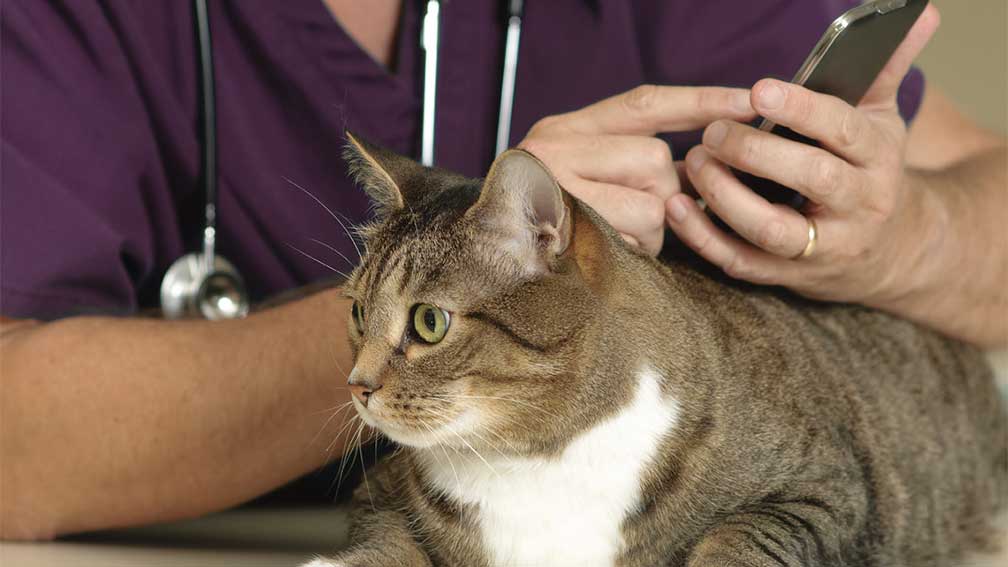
(204, 284)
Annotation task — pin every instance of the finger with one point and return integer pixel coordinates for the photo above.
(819, 175)
(650, 109)
(631, 212)
(685, 185)
(840, 127)
(630, 240)
(738, 259)
(778, 229)
(883, 91)
(638, 162)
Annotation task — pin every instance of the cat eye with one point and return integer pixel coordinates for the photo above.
(357, 312)
(430, 322)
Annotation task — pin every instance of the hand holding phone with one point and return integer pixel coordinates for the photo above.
(844, 63)
(874, 223)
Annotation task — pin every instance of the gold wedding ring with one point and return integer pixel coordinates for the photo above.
(813, 235)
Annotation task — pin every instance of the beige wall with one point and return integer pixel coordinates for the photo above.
(968, 58)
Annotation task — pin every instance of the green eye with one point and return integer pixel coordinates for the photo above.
(357, 312)
(430, 322)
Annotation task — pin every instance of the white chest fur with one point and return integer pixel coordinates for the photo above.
(567, 510)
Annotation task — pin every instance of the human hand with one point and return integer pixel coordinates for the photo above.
(607, 156)
(871, 222)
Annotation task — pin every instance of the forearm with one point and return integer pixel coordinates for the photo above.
(957, 281)
(109, 422)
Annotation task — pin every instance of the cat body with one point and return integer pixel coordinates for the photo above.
(585, 404)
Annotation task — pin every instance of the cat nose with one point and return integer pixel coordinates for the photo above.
(362, 393)
(361, 387)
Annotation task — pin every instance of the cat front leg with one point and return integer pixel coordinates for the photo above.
(323, 562)
(380, 533)
(378, 539)
(770, 537)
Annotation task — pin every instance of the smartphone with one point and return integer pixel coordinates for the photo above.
(844, 63)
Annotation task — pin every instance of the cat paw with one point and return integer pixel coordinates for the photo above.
(323, 562)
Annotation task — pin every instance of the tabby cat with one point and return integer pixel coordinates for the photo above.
(563, 399)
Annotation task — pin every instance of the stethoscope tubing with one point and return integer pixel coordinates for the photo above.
(209, 123)
(430, 35)
(508, 75)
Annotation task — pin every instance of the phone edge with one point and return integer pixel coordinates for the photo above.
(822, 47)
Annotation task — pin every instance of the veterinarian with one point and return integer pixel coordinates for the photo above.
(110, 418)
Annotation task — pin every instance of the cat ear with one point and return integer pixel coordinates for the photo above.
(383, 174)
(522, 203)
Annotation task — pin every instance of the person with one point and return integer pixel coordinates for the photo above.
(112, 419)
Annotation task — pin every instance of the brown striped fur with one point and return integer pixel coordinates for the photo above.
(810, 434)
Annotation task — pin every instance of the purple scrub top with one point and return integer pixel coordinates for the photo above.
(99, 121)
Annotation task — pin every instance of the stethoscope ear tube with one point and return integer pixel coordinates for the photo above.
(511, 43)
(430, 34)
(205, 285)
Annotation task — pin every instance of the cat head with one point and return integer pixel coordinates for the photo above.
(473, 302)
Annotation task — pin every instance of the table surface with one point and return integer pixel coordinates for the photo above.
(249, 537)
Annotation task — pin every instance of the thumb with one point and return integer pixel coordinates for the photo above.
(883, 90)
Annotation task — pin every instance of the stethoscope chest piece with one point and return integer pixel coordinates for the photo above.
(205, 284)
(188, 290)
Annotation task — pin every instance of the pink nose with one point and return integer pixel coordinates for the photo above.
(363, 392)
(361, 387)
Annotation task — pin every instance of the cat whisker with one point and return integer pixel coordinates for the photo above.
(350, 223)
(352, 453)
(337, 411)
(339, 367)
(328, 210)
(338, 481)
(435, 455)
(438, 443)
(506, 417)
(367, 485)
(313, 258)
(513, 422)
(339, 435)
(349, 454)
(466, 443)
(501, 438)
(337, 252)
(336, 438)
(491, 445)
(336, 407)
(398, 449)
(452, 397)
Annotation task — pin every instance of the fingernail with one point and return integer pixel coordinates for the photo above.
(771, 97)
(741, 102)
(676, 210)
(715, 134)
(695, 159)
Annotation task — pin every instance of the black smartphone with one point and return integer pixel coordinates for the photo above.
(845, 63)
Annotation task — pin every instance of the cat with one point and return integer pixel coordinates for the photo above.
(561, 398)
